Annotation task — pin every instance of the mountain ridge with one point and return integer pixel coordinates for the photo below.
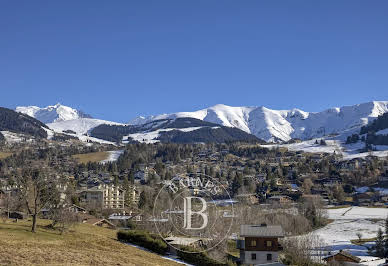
(52, 113)
(268, 124)
(283, 125)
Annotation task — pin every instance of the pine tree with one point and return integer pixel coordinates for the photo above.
(379, 247)
(142, 200)
(386, 238)
(126, 187)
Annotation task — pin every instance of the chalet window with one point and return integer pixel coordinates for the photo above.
(269, 256)
(253, 243)
(268, 243)
(253, 256)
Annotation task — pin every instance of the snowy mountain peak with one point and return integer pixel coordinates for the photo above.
(52, 113)
(283, 125)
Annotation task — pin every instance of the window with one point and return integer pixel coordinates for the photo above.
(268, 243)
(253, 243)
(253, 256)
(269, 256)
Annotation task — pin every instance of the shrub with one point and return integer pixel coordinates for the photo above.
(199, 258)
(143, 239)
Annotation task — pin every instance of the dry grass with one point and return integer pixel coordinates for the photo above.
(93, 157)
(83, 245)
(4, 154)
(362, 241)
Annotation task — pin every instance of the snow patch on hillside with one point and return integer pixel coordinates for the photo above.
(347, 222)
(382, 132)
(11, 137)
(152, 136)
(113, 156)
(80, 126)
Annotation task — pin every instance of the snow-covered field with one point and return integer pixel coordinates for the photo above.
(347, 223)
(113, 156)
(12, 137)
(151, 137)
(349, 151)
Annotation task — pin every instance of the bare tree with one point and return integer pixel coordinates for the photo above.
(63, 219)
(300, 250)
(37, 190)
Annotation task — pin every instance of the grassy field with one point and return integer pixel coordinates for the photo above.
(4, 154)
(362, 241)
(91, 157)
(83, 245)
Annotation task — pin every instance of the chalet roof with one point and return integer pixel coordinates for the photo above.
(261, 230)
(345, 254)
(96, 221)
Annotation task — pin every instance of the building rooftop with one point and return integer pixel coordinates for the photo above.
(262, 230)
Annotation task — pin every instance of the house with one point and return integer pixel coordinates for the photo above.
(281, 199)
(17, 215)
(259, 244)
(248, 198)
(106, 196)
(76, 209)
(99, 222)
(343, 257)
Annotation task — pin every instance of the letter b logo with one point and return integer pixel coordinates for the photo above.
(188, 213)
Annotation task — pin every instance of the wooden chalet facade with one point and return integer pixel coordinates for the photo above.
(259, 244)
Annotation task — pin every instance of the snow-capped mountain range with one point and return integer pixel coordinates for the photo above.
(267, 124)
(62, 118)
(283, 125)
(52, 113)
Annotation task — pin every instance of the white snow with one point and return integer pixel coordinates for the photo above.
(113, 156)
(382, 132)
(151, 137)
(50, 113)
(347, 223)
(348, 151)
(12, 137)
(80, 126)
(271, 125)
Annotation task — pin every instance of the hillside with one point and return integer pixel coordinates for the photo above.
(84, 245)
(180, 130)
(21, 123)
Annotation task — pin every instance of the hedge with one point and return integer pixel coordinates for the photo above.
(201, 259)
(144, 239)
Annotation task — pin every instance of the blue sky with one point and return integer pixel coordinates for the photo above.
(120, 59)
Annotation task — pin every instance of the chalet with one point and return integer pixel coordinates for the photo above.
(342, 257)
(280, 199)
(364, 199)
(259, 244)
(76, 209)
(17, 215)
(248, 198)
(99, 222)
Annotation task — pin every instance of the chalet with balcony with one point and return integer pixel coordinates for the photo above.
(259, 244)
